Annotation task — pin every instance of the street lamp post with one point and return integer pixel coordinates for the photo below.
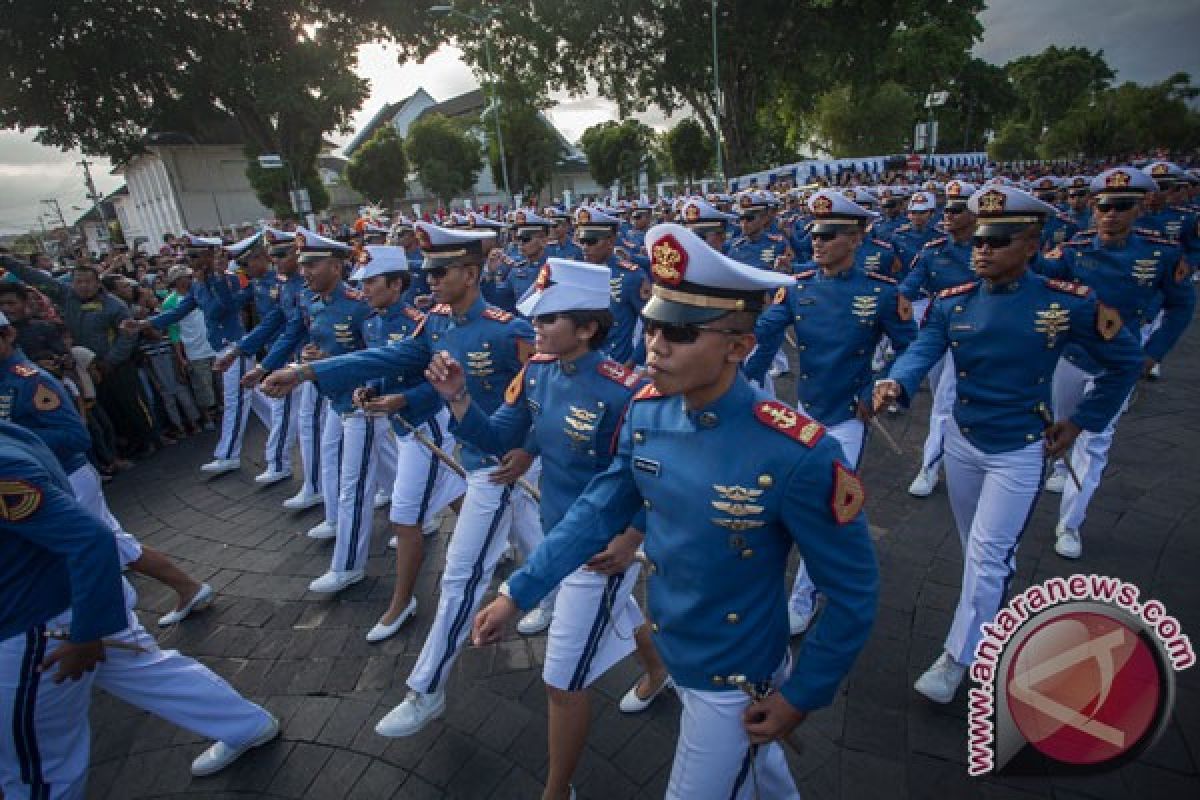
(717, 94)
(487, 54)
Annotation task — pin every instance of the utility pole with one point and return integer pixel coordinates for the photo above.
(717, 97)
(62, 221)
(92, 193)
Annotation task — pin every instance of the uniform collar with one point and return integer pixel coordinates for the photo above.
(844, 275)
(473, 313)
(736, 401)
(1012, 287)
(394, 310)
(585, 363)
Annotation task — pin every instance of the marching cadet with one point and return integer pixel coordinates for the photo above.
(944, 262)
(756, 245)
(1060, 227)
(569, 400)
(494, 345)
(891, 201)
(707, 222)
(1163, 212)
(771, 478)
(1006, 332)
(220, 298)
(875, 254)
(911, 236)
(640, 216)
(561, 242)
(1134, 274)
(330, 319)
(514, 277)
(423, 484)
(839, 313)
(596, 233)
(1079, 205)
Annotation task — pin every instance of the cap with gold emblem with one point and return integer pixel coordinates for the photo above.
(922, 201)
(701, 216)
(957, 194)
(566, 285)
(752, 202)
(1123, 182)
(314, 247)
(1000, 209)
(591, 221)
(379, 259)
(244, 250)
(1165, 173)
(444, 247)
(200, 245)
(833, 211)
(279, 243)
(693, 283)
(527, 222)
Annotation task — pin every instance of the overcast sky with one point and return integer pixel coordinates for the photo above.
(1144, 42)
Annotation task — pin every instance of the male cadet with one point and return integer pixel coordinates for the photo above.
(507, 280)
(219, 297)
(757, 246)
(1079, 202)
(1058, 228)
(839, 313)
(769, 478)
(596, 233)
(493, 345)
(944, 262)
(1163, 212)
(875, 254)
(1134, 274)
(707, 222)
(911, 236)
(891, 201)
(1007, 332)
(329, 324)
(561, 242)
(640, 217)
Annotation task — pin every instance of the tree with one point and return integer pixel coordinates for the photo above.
(1052, 82)
(852, 122)
(284, 71)
(445, 155)
(1015, 141)
(689, 150)
(617, 152)
(533, 149)
(379, 169)
(981, 99)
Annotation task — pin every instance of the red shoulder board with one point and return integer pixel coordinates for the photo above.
(1064, 218)
(497, 314)
(24, 370)
(1054, 252)
(803, 276)
(884, 278)
(542, 358)
(848, 494)
(1148, 232)
(1158, 238)
(628, 266)
(413, 314)
(617, 373)
(513, 393)
(886, 245)
(1068, 287)
(441, 308)
(420, 327)
(962, 288)
(648, 392)
(1088, 232)
(935, 242)
(789, 422)
(18, 499)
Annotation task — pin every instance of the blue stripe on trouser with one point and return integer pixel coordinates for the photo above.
(747, 762)
(237, 417)
(360, 490)
(281, 445)
(431, 478)
(25, 712)
(599, 623)
(464, 609)
(1012, 551)
(315, 468)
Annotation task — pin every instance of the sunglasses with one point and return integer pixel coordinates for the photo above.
(547, 319)
(960, 208)
(823, 236)
(525, 239)
(681, 334)
(996, 241)
(437, 273)
(1077, 193)
(588, 241)
(1105, 206)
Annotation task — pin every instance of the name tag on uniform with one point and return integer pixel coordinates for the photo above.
(806, 301)
(962, 327)
(646, 465)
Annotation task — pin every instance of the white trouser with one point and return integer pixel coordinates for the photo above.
(331, 461)
(88, 490)
(310, 420)
(480, 537)
(594, 619)
(852, 436)
(281, 431)
(714, 759)
(237, 409)
(943, 389)
(423, 484)
(992, 496)
(1089, 454)
(45, 735)
(367, 444)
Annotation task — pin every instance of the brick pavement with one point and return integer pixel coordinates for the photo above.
(304, 656)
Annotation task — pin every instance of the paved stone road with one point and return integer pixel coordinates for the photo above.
(305, 657)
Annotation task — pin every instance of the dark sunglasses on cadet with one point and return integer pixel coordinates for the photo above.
(1077, 193)
(955, 209)
(1115, 205)
(997, 241)
(437, 273)
(524, 239)
(823, 236)
(587, 241)
(680, 334)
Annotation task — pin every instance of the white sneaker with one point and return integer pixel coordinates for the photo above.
(271, 476)
(412, 715)
(1155, 372)
(798, 622)
(322, 530)
(392, 543)
(221, 465)
(535, 621)
(199, 600)
(940, 682)
(381, 631)
(1056, 482)
(1067, 542)
(923, 484)
(632, 704)
(333, 581)
(383, 499)
(221, 755)
(302, 500)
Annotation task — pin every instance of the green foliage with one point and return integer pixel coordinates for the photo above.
(533, 149)
(689, 150)
(617, 152)
(445, 155)
(981, 98)
(1052, 82)
(852, 122)
(379, 168)
(1015, 141)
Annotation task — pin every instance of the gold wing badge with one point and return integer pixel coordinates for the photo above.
(738, 503)
(1052, 322)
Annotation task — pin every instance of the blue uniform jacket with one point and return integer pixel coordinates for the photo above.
(54, 554)
(628, 285)
(567, 249)
(396, 324)
(728, 489)
(942, 264)
(762, 250)
(333, 325)
(33, 398)
(838, 322)
(1056, 230)
(286, 295)
(220, 297)
(1006, 341)
(909, 240)
(879, 255)
(485, 341)
(1180, 225)
(1144, 274)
